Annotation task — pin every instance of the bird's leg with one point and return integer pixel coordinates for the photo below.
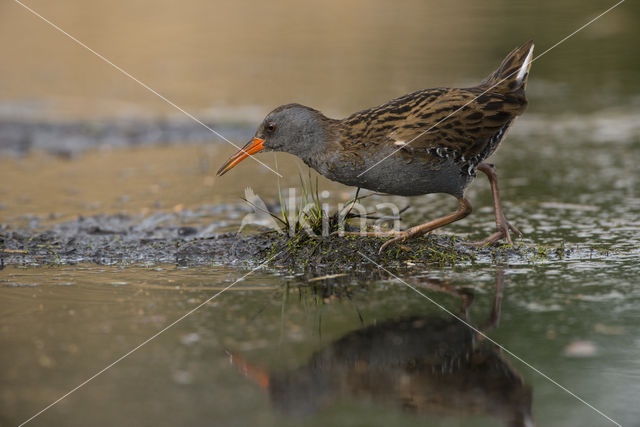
(464, 209)
(502, 225)
(494, 318)
(466, 295)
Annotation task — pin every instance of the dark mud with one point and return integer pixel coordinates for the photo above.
(122, 239)
(159, 239)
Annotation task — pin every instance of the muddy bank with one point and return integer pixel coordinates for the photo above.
(159, 239)
(120, 239)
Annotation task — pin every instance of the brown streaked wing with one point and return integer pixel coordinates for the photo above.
(436, 118)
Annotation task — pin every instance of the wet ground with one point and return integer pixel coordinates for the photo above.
(119, 251)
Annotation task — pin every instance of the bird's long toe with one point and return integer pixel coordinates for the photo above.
(514, 229)
(401, 238)
(502, 233)
(498, 235)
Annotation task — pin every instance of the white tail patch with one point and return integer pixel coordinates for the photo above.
(399, 143)
(525, 66)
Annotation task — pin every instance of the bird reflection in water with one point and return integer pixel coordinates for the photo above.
(429, 365)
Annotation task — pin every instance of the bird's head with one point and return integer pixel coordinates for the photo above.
(292, 128)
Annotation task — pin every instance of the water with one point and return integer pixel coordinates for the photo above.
(349, 350)
(66, 323)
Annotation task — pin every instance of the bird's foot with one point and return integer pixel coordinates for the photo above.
(402, 236)
(503, 228)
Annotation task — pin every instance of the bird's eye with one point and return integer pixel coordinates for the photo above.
(271, 127)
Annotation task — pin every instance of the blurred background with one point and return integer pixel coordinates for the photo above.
(236, 60)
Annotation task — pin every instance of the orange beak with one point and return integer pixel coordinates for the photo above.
(251, 148)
